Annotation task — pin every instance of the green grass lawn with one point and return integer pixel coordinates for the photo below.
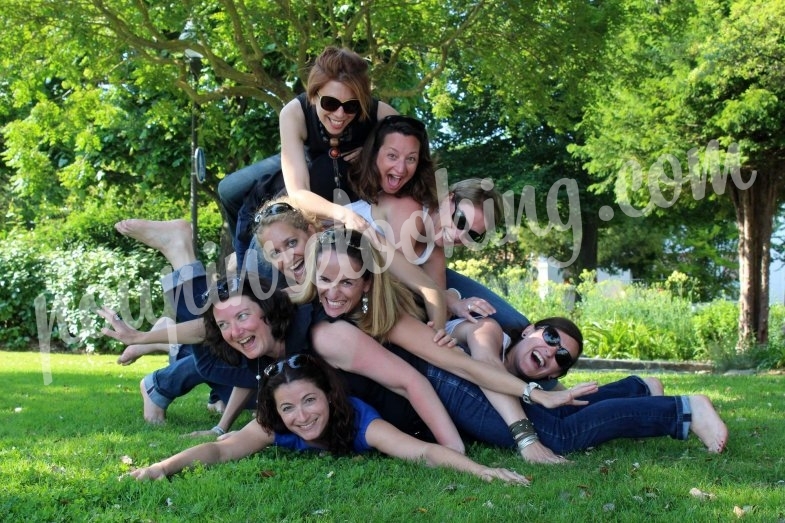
(65, 446)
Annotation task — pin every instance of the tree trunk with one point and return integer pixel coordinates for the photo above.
(755, 208)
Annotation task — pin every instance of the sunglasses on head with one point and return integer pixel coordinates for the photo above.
(341, 236)
(460, 221)
(399, 118)
(551, 337)
(332, 104)
(293, 362)
(223, 290)
(273, 210)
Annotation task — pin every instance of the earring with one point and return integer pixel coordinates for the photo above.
(365, 304)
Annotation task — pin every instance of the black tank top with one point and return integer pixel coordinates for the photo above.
(328, 174)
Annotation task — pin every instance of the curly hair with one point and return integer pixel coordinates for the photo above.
(277, 311)
(365, 177)
(344, 66)
(340, 431)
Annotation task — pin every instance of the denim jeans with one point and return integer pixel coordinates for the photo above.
(623, 409)
(506, 315)
(183, 288)
(234, 187)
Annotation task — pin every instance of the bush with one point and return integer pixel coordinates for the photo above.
(632, 321)
(56, 294)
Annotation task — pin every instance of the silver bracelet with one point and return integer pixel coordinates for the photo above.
(456, 291)
(528, 440)
(218, 430)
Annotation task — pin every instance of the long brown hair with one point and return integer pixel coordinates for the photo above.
(340, 431)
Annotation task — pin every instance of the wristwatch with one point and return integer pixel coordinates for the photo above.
(527, 392)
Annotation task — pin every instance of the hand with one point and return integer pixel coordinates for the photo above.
(441, 338)
(510, 476)
(119, 330)
(352, 220)
(471, 309)
(155, 471)
(352, 155)
(539, 453)
(556, 398)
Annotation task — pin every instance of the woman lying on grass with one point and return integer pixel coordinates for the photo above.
(303, 406)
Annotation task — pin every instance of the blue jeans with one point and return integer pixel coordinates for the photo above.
(234, 187)
(623, 409)
(506, 315)
(183, 288)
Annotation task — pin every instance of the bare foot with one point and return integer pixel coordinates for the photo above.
(655, 386)
(152, 412)
(172, 238)
(218, 407)
(706, 423)
(134, 352)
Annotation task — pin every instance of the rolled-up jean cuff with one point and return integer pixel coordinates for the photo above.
(152, 392)
(685, 416)
(182, 275)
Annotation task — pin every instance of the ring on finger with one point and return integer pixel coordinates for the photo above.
(118, 317)
(469, 306)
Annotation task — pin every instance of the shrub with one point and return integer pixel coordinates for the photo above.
(633, 321)
(61, 289)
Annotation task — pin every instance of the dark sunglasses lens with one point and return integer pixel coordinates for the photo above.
(563, 358)
(476, 236)
(460, 220)
(551, 336)
(295, 362)
(329, 103)
(351, 106)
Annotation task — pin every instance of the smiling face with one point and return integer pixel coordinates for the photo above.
(531, 358)
(335, 122)
(338, 282)
(242, 326)
(447, 231)
(303, 407)
(284, 246)
(397, 161)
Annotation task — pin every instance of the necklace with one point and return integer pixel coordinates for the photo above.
(334, 150)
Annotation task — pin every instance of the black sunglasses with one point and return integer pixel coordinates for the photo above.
(341, 236)
(551, 337)
(223, 290)
(294, 362)
(460, 221)
(273, 210)
(332, 104)
(399, 118)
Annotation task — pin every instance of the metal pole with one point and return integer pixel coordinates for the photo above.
(194, 140)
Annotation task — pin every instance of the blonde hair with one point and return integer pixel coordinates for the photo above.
(387, 298)
(293, 217)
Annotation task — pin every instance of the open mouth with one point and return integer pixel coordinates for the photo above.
(298, 269)
(246, 343)
(394, 183)
(538, 360)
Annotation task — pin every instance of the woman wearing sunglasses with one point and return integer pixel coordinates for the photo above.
(322, 131)
(395, 180)
(303, 406)
(340, 268)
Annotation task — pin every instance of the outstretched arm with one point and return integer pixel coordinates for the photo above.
(346, 347)
(387, 439)
(418, 338)
(187, 332)
(252, 438)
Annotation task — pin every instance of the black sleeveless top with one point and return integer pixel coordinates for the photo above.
(328, 174)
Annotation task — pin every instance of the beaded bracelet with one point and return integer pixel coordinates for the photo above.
(218, 430)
